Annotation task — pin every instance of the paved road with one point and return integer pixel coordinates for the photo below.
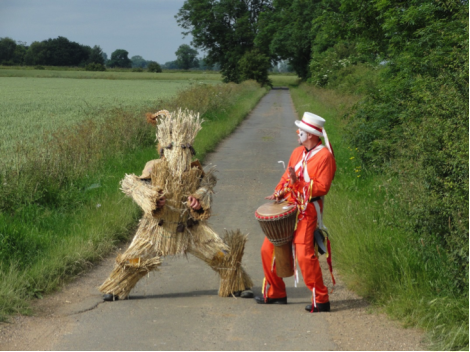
(178, 308)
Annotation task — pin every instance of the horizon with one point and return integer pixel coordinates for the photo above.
(110, 24)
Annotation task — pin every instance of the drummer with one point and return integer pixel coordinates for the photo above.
(307, 179)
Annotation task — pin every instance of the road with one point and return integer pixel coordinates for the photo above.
(177, 308)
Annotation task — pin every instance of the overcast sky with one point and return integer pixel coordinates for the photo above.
(142, 27)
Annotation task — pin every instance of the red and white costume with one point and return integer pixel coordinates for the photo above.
(315, 170)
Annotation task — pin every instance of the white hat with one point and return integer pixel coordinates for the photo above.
(313, 124)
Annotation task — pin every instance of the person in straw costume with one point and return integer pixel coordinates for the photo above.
(175, 195)
(305, 182)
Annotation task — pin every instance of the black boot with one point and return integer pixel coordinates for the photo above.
(248, 293)
(260, 300)
(109, 297)
(321, 307)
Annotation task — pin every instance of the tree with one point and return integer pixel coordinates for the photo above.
(154, 66)
(225, 29)
(171, 65)
(255, 65)
(138, 61)
(186, 57)
(285, 32)
(57, 52)
(7, 50)
(96, 56)
(119, 58)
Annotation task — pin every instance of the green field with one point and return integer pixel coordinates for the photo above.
(111, 75)
(32, 106)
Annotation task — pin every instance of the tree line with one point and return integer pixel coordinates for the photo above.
(61, 51)
(412, 124)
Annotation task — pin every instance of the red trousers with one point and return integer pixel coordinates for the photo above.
(307, 260)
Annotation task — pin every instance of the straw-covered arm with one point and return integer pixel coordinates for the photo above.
(143, 193)
(204, 196)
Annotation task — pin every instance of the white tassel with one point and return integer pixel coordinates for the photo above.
(296, 272)
(327, 142)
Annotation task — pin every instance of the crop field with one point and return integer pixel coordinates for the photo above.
(32, 106)
(112, 75)
(37, 102)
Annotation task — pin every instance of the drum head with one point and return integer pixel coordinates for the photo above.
(273, 209)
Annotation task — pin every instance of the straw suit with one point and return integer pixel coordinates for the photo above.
(314, 168)
(175, 195)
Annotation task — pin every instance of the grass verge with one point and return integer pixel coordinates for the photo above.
(74, 214)
(377, 260)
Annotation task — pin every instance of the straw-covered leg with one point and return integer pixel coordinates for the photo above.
(142, 256)
(223, 256)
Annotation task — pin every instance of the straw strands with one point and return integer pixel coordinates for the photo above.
(176, 136)
(232, 276)
(142, 193)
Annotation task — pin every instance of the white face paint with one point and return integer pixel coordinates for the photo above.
(302, 136)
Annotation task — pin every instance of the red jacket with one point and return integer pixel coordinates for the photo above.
(316, 182)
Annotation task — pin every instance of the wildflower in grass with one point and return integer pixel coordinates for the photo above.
(351, 158)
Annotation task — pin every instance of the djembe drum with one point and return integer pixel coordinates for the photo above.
(277, 220)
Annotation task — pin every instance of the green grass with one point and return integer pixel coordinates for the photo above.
(48, 239)
(390, 267)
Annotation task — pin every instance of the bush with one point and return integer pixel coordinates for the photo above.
(8, 63)
(39, 67)
(255, 65)
(95, 67)
(137, 69)
(154, 67)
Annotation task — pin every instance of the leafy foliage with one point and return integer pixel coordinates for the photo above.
(286, 32)
(186, 57)
(119, 58)
(224, 29)
(57, 52)
(254, 65)
(138, 61)
(153, 66)
(95, 67)
(415, 125)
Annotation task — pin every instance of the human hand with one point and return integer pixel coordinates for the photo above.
(271, 197)
(194, 203)
(292, 174)
(161, 202)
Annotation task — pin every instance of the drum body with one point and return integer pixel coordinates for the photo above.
(277, 220)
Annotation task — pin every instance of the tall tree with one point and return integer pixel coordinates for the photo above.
(138, 61)
(225, 29)
(119, 58)
(286, 32)
(96, 56)
(7, 49)
(186, 57)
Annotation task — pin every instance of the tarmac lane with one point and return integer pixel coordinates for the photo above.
(177, 307)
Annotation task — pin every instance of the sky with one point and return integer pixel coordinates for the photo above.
(142, 27)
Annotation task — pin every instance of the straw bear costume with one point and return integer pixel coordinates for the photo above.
(176, 228)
